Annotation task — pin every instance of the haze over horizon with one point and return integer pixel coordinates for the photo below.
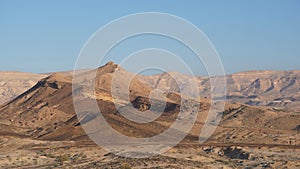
(42, 37)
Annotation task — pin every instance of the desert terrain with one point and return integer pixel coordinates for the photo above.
(260, 126)
(14, 83)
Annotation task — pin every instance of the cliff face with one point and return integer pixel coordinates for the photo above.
(266, 88)
(279, 89)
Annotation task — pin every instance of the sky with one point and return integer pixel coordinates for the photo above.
(47, 36)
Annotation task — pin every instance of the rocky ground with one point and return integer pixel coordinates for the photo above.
(28, 153)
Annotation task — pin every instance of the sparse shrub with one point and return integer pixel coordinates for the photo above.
(199, 166)
(80, 155)
(62, 158)
(75, 158)
(125, 166)
(35, 161)
(49, 155)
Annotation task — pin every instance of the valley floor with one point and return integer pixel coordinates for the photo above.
(28, 153)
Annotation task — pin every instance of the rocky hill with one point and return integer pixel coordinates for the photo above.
(39, 128)
(276, 89)
(46, 111)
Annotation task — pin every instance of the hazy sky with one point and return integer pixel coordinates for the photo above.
(45, 36)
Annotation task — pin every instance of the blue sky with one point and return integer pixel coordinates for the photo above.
(46, 36)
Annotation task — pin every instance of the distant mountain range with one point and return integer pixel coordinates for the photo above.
(277, 89)
(46, 110)
(12, 84)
